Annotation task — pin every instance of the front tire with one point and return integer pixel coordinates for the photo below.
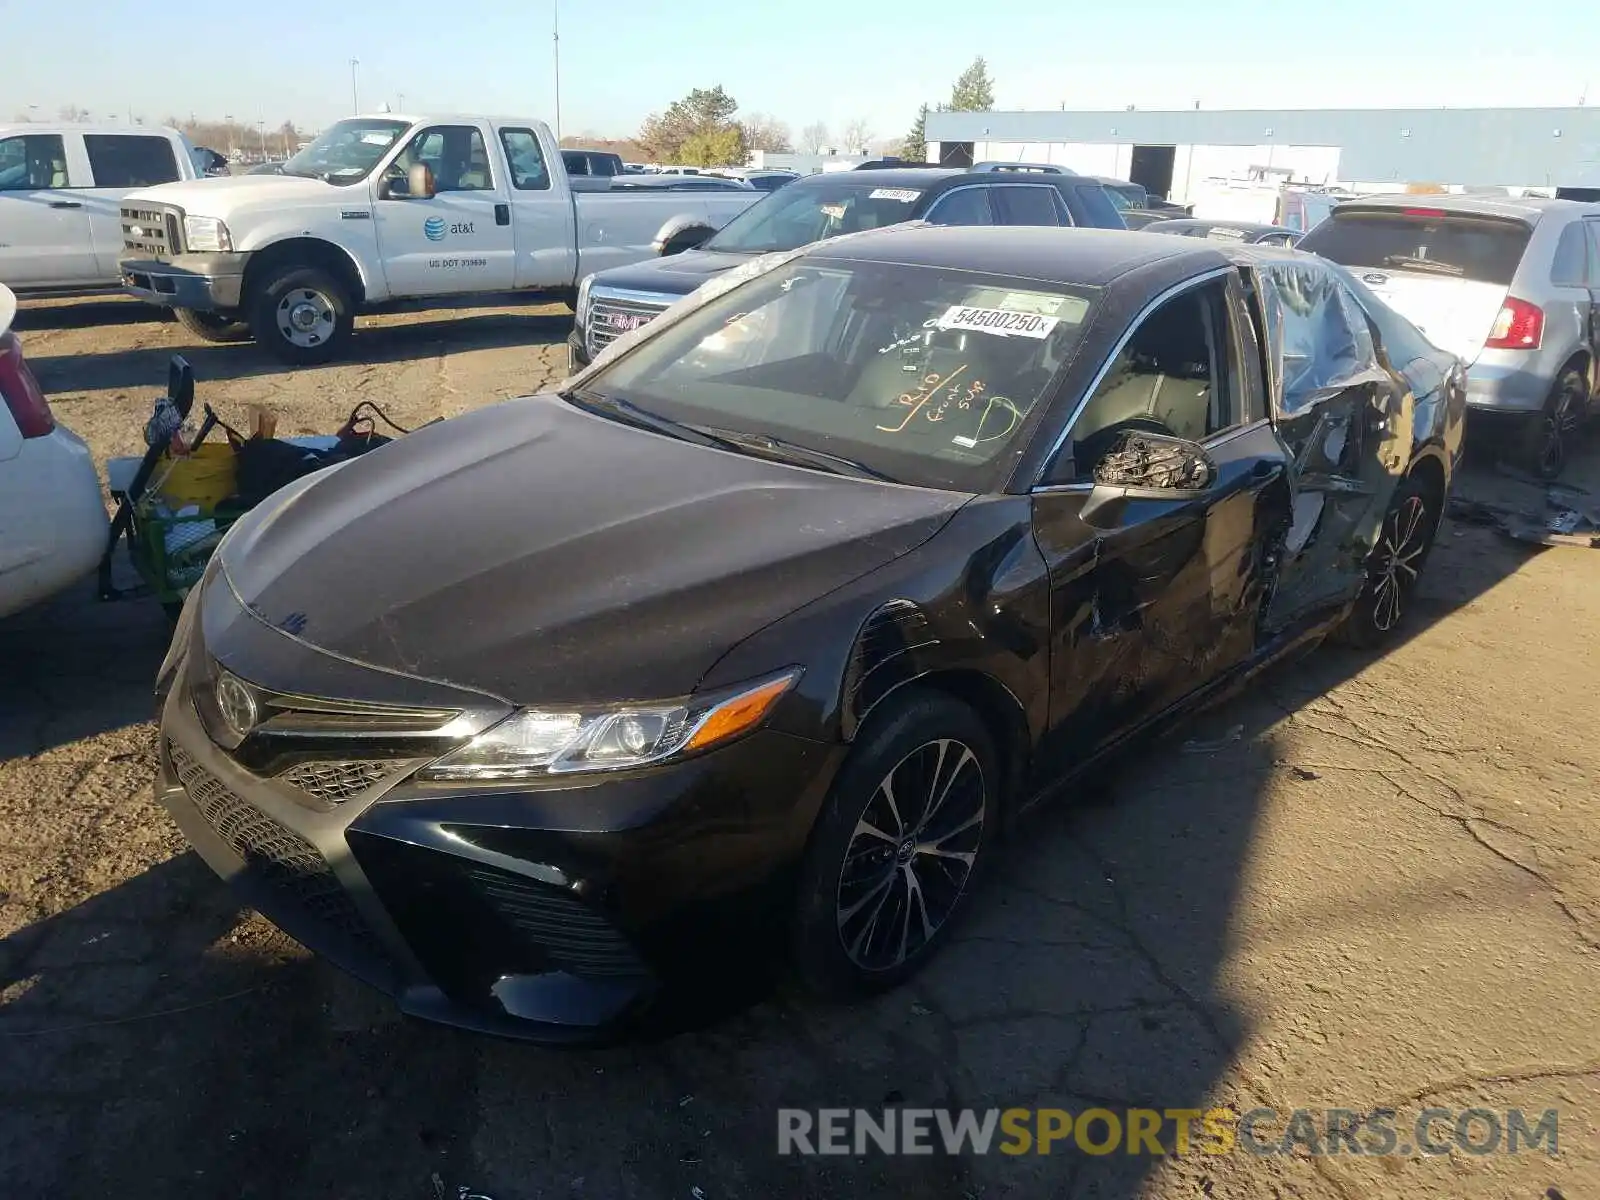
(302, 315)
(213, 327)
(903, 836)
(1394, 567)
(1548, 438)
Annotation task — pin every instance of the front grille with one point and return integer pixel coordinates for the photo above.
(279, 856)
(153, 230)
(336, 781)
(574, 937)
(611, 316)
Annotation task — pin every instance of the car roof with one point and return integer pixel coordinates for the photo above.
(1525, 208)
(1092, 257)
(909, 177)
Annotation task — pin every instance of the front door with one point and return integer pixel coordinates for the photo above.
(1155, 597)
(44, 224)
(460, 239)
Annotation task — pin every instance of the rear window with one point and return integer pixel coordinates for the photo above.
(123, 160)
(1482, 249)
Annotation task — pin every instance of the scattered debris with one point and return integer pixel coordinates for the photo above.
(685, 1100)
(1202, 746)
(920, 1010)
(1303, 773)
(697, 1193)
(1562, 521)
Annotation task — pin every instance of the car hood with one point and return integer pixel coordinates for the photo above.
(539, 554)
(675, 275)
(223, 196)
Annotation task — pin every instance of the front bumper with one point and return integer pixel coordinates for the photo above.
(557, 914)
(203, 282)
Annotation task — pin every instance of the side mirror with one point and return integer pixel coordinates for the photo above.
(180, 384)
(421, 182)
(1156, 462)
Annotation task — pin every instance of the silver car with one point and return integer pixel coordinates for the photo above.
(1512, 286)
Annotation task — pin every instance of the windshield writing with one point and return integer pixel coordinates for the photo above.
(921, 374)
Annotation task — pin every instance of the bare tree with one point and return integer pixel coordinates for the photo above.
(763, 132)
(814, 137)
(71, 112)
(856, 135)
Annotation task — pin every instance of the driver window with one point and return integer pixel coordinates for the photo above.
(454, 153)
(964, 206)
(1169, 378)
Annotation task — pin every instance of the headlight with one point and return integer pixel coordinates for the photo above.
(535, 742)
(206, 234)
(580, 310)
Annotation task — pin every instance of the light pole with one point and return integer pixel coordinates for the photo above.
(355, 92)
(555, 37)
(402, 102)
(228, 117)
(261, 130)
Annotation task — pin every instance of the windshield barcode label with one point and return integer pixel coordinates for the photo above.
(998, 321)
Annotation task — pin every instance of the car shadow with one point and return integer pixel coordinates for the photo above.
(377, 343)
(162, 1043)
(83, 313)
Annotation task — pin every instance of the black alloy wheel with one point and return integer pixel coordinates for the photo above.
(1394, 566)
(897, 848)
(1550, 435)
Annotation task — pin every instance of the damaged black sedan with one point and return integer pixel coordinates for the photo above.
(764, 628)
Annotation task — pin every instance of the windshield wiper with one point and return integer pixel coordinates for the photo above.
(1426, 264)
(777, 448)
(632, 414)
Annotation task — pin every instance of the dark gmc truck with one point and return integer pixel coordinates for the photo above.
(614, 302)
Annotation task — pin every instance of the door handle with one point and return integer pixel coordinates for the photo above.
(66, 204)
(1262, 468)
(502, 214)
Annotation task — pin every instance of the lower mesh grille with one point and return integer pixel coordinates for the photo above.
(336, 781)
(573, 936)
(279, 856)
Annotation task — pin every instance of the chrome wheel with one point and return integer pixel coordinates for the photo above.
(305, 317)
(911, 854)
(1397, 561)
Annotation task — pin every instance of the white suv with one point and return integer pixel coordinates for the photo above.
(61, 188)
(1511, 286)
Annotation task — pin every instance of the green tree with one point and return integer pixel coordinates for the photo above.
(915, 147)
(973, 90)
(724, 147)
(704, 110)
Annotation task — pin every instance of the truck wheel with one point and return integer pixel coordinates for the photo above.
(213, 327)
(302, 315)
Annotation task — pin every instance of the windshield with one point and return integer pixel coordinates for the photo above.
(798, 216)
(1483, 249)
(924, 375)
(346, 151)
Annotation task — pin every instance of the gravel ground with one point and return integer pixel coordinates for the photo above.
(1385, 890)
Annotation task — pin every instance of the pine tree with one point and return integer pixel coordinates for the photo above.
(915, 147)
(973, 90)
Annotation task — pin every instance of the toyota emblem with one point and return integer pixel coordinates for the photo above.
(236, 705)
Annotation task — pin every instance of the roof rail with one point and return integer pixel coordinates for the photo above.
(1026, 168)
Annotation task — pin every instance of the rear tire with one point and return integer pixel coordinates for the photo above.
(213, 327)
(894, 855)
(302, 315)
(1394, 567)
(1547, 439)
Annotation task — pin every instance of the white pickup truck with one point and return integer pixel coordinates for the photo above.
(60, 190)
(384, 208)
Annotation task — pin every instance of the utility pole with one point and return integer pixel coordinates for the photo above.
(402, 102)
(355, 92)
(555, 37)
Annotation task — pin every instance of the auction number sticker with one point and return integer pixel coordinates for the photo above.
(904, 195)
(999, 321)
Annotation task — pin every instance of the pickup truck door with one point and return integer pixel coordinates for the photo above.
(116, 164)
(44, 225)
(458, 241)
(1157, 596)
(542, 217)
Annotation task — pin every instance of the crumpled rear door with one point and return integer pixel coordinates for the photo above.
(1347, 421)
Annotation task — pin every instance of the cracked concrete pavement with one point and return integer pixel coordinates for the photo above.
(1383, 892)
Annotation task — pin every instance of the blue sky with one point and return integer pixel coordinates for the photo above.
(828, 60)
